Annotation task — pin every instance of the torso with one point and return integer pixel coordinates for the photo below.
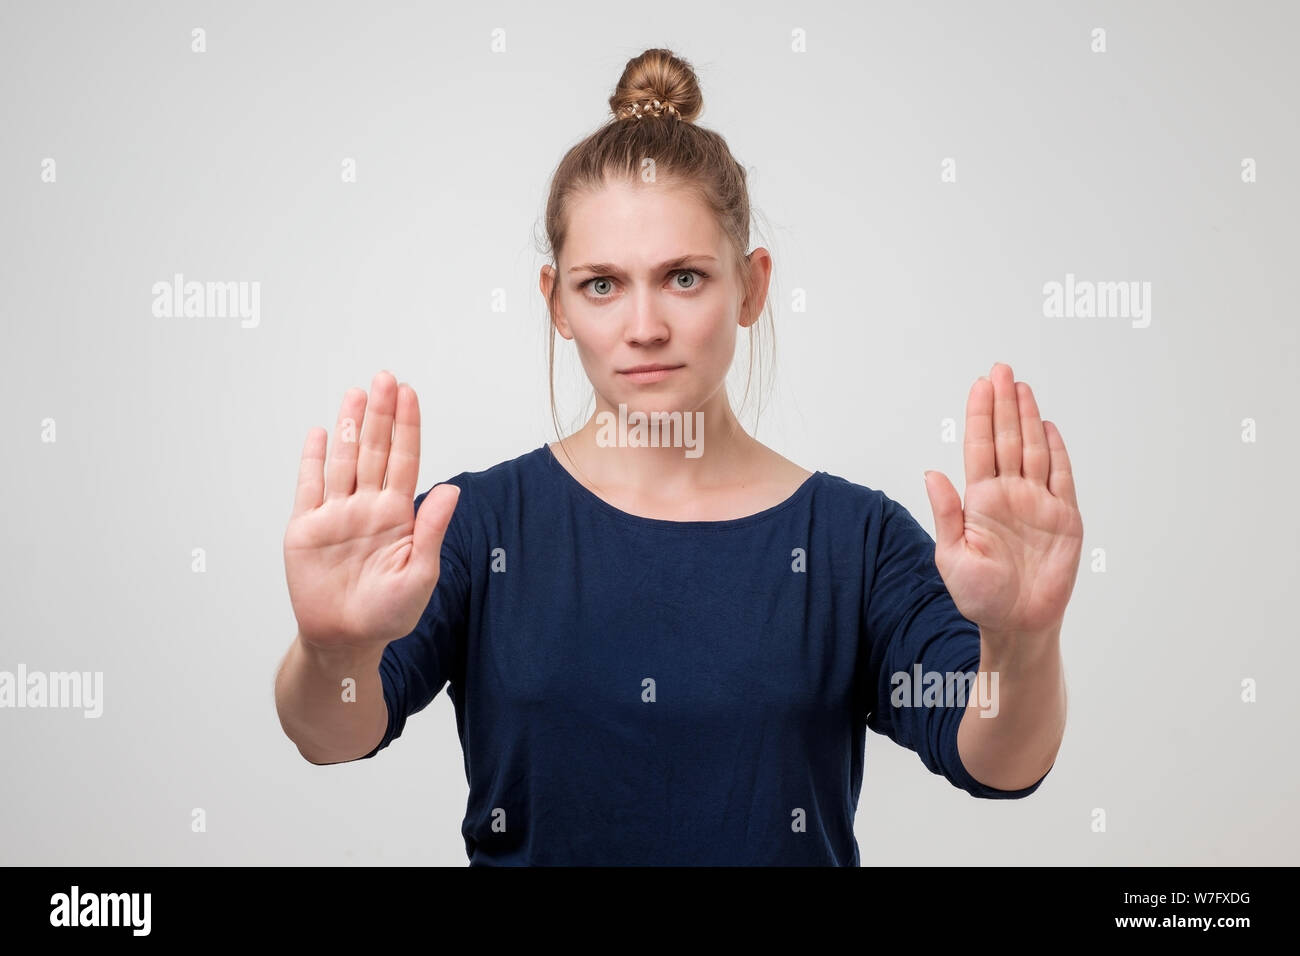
(633, 692)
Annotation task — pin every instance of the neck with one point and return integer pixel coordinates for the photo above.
(698, 448)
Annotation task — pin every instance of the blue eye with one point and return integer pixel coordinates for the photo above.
(675, 273)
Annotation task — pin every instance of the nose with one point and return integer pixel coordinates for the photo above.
(644, 325)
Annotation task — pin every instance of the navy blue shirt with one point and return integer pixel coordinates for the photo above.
(633, 691)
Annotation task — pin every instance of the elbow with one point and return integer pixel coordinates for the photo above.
(987, 792)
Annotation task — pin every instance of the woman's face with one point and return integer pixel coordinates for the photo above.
(647, 277)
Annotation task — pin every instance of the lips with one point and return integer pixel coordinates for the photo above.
(649, 374)
(657, 367)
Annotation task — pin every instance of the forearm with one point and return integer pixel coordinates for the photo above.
(313, 710)
(1010, 742)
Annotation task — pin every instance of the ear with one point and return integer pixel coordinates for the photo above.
(545, 282)
(758, 266)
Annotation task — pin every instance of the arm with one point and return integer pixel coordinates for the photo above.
(393, 680)
(1013, 741)
(309, 698)
(363, 567)
(912, 630)
(1009, 556)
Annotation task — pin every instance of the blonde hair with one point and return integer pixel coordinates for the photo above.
(653, 111)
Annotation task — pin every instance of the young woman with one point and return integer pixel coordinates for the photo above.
(669, 652)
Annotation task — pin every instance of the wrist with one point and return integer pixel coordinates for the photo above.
(334, 656)
(1021, 650)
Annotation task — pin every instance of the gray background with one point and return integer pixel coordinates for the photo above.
(182, 433)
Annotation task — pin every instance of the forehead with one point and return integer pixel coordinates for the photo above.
(639, 224)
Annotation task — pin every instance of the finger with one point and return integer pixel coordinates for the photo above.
(431, 520)
(311, 472)
(949, 520)
(377, 433)
(404, 459)
(978, 444)
(341, 472)
(1006, 421)
(1036, 455)
(1060, 481)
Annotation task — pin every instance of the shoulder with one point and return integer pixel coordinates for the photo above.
(840, 494)
(503, 480)
(867, 513)
(487, 497)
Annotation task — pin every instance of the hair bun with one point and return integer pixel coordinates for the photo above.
(657, 83)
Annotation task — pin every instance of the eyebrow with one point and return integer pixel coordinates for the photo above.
(611, 268)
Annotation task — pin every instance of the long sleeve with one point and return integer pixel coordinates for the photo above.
(416, 667)
(909, 619)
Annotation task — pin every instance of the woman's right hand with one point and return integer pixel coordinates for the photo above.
(360, 562)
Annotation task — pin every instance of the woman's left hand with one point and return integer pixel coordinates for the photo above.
(1009, 558)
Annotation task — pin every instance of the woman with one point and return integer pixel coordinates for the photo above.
(664, 642)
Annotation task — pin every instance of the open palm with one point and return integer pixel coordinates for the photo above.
(361, 564)
(1009, 558)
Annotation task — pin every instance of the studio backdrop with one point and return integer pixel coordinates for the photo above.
(1101, 194)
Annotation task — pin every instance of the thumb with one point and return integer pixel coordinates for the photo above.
(431, 520)
(949, 521)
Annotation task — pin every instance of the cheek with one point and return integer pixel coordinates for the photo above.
(714, 336)
(594, 340)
